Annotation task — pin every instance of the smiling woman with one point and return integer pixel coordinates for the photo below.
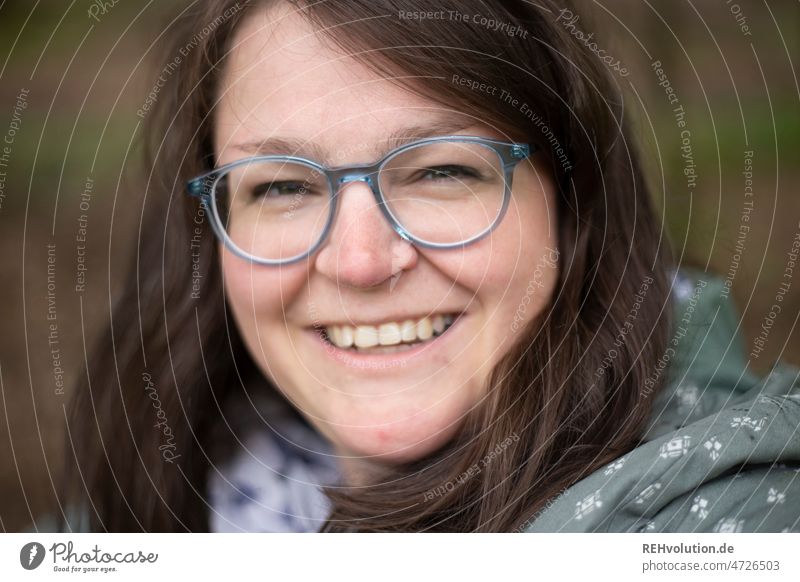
(423, 306)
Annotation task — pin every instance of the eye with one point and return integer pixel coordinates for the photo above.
(449, 172)
(279, 189)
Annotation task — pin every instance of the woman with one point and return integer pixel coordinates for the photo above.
(417, 269)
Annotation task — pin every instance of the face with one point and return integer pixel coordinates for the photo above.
(382, 404)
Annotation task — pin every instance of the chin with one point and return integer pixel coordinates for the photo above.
(395, 442)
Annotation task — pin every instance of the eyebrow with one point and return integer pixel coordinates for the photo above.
(289, 146)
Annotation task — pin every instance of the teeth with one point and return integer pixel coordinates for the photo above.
(366, 336)
(408, 331)
(346, 335)
(424, 329)
(388, 334)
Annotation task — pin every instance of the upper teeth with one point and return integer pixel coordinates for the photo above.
(388, 334)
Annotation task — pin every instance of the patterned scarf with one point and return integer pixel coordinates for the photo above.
(272, 483)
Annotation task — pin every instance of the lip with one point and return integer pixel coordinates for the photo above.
(396, 319)
(377, 361)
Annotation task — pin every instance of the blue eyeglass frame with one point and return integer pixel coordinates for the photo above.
(204, 187)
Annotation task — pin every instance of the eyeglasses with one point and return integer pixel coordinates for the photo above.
(440, 193)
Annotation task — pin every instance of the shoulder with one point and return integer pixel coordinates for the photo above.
(722, 452)
(736, 470)
(764, 498)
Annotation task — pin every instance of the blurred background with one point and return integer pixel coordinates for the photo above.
(71, 84)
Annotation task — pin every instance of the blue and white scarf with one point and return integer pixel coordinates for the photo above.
(272, 483)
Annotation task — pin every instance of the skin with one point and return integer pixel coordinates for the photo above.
(283, 80)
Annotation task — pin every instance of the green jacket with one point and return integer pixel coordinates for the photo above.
(722, 452)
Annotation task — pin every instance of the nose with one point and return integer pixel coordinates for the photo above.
(362, 249)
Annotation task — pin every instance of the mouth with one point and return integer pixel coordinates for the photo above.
(390, 336)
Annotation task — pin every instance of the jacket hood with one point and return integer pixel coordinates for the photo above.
(722, 449)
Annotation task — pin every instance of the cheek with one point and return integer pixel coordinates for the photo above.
(240, 284)
(523, 247)
(527, 249)
(512, 273)
(526, 240)
(258, 296)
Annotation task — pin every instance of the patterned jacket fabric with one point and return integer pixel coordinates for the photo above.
(722, 453)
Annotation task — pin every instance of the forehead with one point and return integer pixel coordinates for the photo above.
(283, 79)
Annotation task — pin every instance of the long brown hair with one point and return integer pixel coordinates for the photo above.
(566, 399)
